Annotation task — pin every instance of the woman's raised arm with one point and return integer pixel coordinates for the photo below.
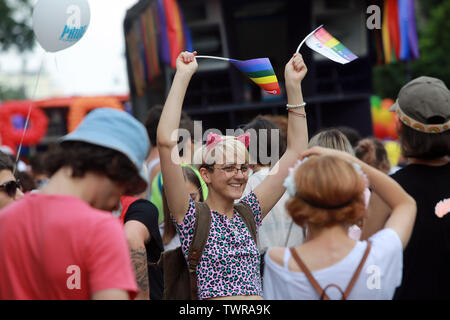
(271, 189)
(174, 185)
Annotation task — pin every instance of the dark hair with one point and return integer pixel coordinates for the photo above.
(352, 135)
(257, 124)
(38, 164)
(26, 181)
(190, 175)
(5, 162)
(188, 125)
(373, 152)
(152, 120)
(83, 157)
(417, 144)
(282, 123)
(151, 123)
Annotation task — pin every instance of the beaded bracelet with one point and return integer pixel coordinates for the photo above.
(295, 106)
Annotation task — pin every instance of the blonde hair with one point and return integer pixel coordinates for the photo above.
(329, 192)
(332, 139)
(227, 150)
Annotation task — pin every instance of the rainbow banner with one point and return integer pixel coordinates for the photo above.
(260, 71)
(324, 43)
(399, 31)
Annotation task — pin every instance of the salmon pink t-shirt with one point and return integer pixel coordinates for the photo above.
(58, 247)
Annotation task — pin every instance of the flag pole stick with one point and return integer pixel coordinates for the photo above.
(212, 57)
(309, 35)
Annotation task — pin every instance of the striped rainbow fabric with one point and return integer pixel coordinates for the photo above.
(331, 47)
(260, 71)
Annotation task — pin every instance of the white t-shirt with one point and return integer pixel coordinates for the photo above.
(277, 226)
(174, 243)
(381, 273)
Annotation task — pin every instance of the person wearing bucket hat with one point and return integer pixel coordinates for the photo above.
(66, 242)
(423, 113)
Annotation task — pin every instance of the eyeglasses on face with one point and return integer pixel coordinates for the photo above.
(233, 169)
(10, 187)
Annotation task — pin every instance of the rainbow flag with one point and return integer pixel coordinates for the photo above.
(324, 43)
(260, 71)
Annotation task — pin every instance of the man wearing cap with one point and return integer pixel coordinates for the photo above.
(423, 113)
(63, 242)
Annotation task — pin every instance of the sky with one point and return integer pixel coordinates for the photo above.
(95, 65)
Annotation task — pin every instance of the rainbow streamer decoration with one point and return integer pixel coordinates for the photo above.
(324, 43)
(399, 31)
(260, 71)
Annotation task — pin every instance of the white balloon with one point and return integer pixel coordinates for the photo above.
(59, 24)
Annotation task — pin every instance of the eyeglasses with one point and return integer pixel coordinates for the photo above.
(233, 169)
(10, 187)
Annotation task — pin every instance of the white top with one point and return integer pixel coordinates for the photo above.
(277, 226)
(174, 243)
(381, 273)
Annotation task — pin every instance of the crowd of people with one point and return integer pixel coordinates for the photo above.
(329, 219)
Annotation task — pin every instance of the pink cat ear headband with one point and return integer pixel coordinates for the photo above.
(213, 139)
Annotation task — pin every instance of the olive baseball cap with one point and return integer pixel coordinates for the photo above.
(117, 130)
(424, 105)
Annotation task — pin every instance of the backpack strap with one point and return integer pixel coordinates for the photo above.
(357, 272)
(248, 217)
(201, 232)
(304, 268)
(315, 284)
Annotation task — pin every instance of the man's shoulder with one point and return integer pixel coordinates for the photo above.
(142, 210)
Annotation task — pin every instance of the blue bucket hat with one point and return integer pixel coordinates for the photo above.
(116, 130)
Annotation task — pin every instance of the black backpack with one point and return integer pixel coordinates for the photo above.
(180, 278)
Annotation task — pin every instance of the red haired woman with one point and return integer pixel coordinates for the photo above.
(327, 196)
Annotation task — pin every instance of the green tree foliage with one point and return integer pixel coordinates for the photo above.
(12, 94)
(434, 48)
(435, 45)
(15, 25)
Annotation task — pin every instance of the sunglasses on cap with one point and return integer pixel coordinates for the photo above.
(10, 187)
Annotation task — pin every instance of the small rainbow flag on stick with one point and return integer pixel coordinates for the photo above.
(260, 71)
(324, 43)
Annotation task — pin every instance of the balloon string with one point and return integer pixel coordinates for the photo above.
(28, 115)
(56, 64)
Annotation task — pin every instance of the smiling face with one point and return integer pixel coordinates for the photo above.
(227, 179)
(225, 168)
(230, 179)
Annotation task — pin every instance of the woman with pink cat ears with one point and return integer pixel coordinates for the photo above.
(229, 266)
